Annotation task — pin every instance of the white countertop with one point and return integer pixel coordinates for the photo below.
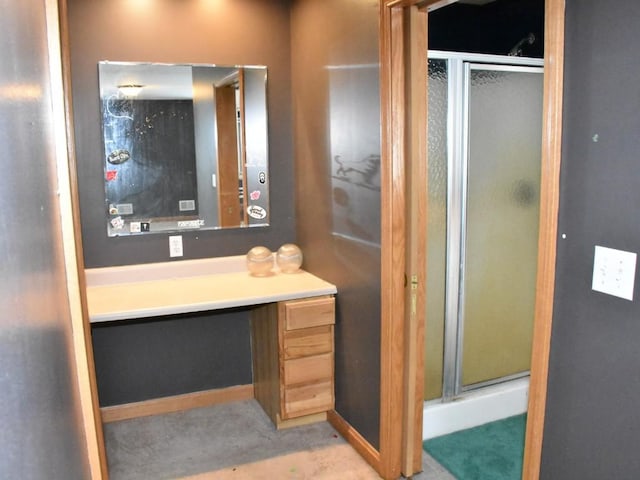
(148, 290)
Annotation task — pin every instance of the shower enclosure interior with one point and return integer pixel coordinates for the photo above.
(485, 120)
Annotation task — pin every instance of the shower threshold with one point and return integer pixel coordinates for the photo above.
(475, 408)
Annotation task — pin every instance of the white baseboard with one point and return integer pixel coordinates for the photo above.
(475, 408)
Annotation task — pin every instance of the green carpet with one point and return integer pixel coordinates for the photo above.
(492, 451)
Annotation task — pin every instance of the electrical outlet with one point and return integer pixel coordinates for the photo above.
(614, 272)
(175, 246)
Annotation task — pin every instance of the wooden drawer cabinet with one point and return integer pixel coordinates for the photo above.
(309, 369)
(307, 341)
(293, 359)
(308, 313)
(308, 398)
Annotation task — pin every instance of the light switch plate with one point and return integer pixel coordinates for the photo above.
(614, 272)
(175, 246)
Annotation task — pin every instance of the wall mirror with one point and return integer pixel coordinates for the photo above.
(185, 147)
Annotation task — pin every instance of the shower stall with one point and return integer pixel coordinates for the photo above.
(485, 131)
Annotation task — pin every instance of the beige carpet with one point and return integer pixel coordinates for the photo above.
(232, 441)
(335, 462)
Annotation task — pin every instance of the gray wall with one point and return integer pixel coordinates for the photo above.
(166, 356)
(42, 435)
(131, 357)
(337, 114)
(592, 426)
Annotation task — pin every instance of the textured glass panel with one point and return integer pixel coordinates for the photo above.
(503, 190)
(437, 228)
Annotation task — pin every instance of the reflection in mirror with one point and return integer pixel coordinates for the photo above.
(185, 147)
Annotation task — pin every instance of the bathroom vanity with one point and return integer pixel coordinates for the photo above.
(292, 318)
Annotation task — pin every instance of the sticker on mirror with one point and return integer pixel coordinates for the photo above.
(255, 195)
(118, 156)
(191, 223)
(257, 212)
(117, 223)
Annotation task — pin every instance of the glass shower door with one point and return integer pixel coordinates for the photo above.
(502, 131)
(436, 226)
(485, 131)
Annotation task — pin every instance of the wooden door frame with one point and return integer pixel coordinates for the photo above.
(394, 392)
(547, 237)
(403, 53)
(402, 44)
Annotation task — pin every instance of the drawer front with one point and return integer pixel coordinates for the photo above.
(308, 341)
(314, 398)
(309, 313)
(308, 369)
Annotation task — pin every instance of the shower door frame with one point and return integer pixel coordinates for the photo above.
(459, 66)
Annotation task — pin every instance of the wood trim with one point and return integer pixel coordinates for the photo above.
(299, 421)
(432, 5)
(357, 441)
(265, 354)
(227, 155)
(417, 175)
(549, 195)
(176, 403)
(393, 239)
(411, 3)
(400, 3)
(74, 258)
(243, 145)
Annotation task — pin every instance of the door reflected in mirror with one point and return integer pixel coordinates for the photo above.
(185, 147)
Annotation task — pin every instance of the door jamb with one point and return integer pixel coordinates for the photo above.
(547, 237)
(392, 367)
(403, 53)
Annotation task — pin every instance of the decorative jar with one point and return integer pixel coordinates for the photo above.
(260, 261)
(289, 258)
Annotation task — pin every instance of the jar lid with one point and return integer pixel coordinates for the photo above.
(259, 253)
